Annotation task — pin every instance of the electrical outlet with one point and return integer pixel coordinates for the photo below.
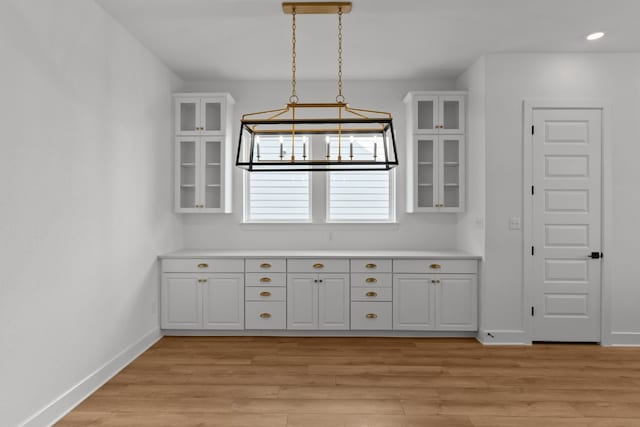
(515, 223)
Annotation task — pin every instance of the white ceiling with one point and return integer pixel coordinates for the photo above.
(392, 39)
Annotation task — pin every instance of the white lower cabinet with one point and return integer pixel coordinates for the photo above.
(413, 307)
(318, 301)
(379, 294)
(202, 301)
(437, 302)
(224, 301)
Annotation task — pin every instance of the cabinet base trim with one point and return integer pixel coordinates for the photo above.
(63, 404)
(319, 333)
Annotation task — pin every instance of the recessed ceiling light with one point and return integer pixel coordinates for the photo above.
(595, 36)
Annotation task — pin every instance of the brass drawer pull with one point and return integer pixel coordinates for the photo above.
(371, 280)
(265, 279)
(372, 316)
(265, 294)
(318, 265)
(371, 266)
(265, 315)
(372, 294)
(435, 266)
(203, 265)
(265, 265)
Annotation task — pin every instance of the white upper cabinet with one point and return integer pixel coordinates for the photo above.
(202, 114)
(436, 152)
(203, 153)
(436, 112)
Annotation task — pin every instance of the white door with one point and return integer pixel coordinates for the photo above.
(181, 302)
(451, 114)
(188, 116)
(211, 114)
(224, 301)
(456, 302)
(413, 302)
(450, 176)
(566, 221)
(302, 301)
(333, 301)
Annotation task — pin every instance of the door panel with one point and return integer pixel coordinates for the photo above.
(457, 302)
(333, 301)
(302, 301)
(224, 301)
(413, 307)
(181, 302)
(567, 146)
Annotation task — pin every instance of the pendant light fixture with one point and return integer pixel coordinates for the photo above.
(316, 136)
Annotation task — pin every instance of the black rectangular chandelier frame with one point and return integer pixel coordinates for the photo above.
(288, 123)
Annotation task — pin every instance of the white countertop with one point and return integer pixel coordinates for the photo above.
(206, 253)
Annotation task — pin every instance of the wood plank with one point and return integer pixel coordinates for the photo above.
(323, 381)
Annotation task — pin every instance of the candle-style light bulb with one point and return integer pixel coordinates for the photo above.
(258, 150)
(375, 150)
(281, 151)
(328, 149)
(351, 150)
(304, 150)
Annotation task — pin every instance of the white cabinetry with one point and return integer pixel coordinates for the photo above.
(233, 292)
(265, 294)
(195, 296)
(371, 294)
(203, 153)
(435, 295)
(318, 300)
(436, 152)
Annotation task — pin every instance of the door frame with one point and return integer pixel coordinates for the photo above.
(606, 212)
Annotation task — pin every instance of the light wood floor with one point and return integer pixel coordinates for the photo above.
(319, 382)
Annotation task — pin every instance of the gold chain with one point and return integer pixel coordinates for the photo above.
(340, 97)
(294, 96)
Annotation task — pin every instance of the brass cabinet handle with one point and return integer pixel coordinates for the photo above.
(265, 294)
(318, 265)
(372, 316)
(265, 315)
(203, 265)
(265, 279)
(202, 280)
(371, 266)
(371, 280)
(435, 281)
(265, 265)
(372, 294)
(435, 266)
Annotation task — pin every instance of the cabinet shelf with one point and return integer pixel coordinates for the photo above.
(425, 163)
(451, 163)
(213, 164)
(187, 186)
(187, 165)
(213, 185)
(425, 185)
(452, 185)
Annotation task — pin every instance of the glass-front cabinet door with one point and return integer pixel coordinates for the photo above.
(212, 173)
(425, 171)
(200, 116)
(451, 177)
(426, 114)
(450, 114)
(187, 173)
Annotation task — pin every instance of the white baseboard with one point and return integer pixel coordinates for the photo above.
(623, 339)
(62, 405)
(503, 337)
(316, 333)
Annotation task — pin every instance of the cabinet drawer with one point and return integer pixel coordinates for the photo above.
(371, 280)
(267, 265)
(265, 279)
(371, 266)
(371, 294)
(371, 315)
(317, 265)
(265, 294)
(465, 266)
(265, 315)
(203, 265)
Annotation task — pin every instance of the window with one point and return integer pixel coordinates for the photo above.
(277, 196)
(356, 197)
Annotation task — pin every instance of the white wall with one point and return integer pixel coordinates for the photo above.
(511, 78)
(413, 231)
(471, 222)
(85, 196)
